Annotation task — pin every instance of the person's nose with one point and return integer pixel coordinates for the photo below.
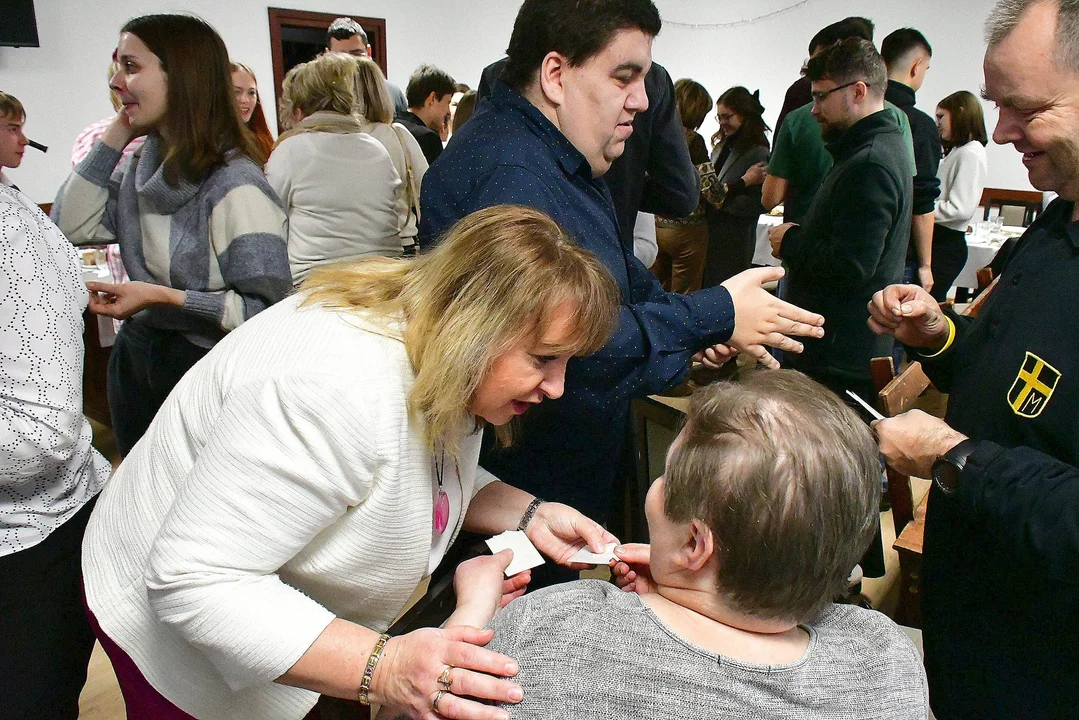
(638, 97)
(554, 382)
(22, 138)
(1008, 129)
(116, 82)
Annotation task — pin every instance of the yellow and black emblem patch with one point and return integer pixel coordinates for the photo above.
(1033, 386)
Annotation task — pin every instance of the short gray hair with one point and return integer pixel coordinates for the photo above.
(1006, 15)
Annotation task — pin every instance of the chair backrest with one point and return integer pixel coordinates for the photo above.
(897, 394)
(1017, 207)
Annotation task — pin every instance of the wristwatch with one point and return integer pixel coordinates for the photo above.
(948, 467)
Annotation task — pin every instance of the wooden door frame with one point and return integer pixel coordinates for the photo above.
(374, 27)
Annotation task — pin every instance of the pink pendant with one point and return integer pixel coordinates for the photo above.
(442, 512)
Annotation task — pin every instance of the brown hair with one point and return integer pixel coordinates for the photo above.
(10, 107)
(693, 102)
(748, 105)
(967, 119)
(257, 124)
(465, 107)
(788, 479)
(496, 278)
(201, 119)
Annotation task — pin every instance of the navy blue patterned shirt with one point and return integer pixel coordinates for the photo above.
(509, 152)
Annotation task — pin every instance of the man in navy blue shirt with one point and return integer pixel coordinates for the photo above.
(553, 125)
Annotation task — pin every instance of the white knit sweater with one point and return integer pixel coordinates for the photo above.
(962, 178)
(279, 485)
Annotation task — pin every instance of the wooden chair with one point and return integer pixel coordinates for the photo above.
(898, 394)
(1027, 205)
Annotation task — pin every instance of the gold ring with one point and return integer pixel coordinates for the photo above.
(444, 679)
(438, 696)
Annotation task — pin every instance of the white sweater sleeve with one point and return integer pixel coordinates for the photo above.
(962, 187)
(285, 460)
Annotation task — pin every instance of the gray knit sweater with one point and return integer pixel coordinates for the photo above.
(222, 241)
(588, 650)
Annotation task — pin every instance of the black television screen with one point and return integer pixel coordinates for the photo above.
(18, 26)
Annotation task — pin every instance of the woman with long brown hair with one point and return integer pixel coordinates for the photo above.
(201, 233)
(962, 178)
(246, 88)
(740, 148)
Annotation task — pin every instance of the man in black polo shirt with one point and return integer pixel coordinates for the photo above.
(1000, 601)
(907, 54)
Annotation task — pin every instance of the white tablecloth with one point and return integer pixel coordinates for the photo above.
(762, 254)
(980, 252)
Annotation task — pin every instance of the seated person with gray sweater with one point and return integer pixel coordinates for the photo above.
(770, 496)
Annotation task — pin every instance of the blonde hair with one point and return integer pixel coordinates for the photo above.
(114, 97)
(325, 84)
(373, 100)
(496, 279)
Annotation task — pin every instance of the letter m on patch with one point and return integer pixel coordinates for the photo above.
(1033, 386)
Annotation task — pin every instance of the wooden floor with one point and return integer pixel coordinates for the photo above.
(101, 698)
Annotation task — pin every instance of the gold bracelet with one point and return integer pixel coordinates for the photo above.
(369, 671)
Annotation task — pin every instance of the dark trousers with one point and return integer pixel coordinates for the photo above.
(145, 365)
(949, 257)
(45, 640)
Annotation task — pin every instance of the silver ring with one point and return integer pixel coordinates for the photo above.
(434, 703)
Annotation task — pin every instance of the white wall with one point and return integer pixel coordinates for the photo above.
(62, 83)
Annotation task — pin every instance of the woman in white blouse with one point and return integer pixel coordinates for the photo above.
(300, 482)
(962, 178)
(375, 108)
(338, 184)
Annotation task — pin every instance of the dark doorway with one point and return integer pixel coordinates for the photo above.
(297, 36)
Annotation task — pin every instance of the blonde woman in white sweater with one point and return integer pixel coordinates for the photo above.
(375, 108)
(304, 478)
(962, 177)
(338, 184)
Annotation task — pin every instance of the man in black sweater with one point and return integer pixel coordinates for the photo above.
(429, 93)
(907, 55)
(855, 234)
(1000, 582)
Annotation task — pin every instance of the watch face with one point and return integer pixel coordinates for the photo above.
(946, 475)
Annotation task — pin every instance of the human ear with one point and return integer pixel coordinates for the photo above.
(698, 548)
(431, 99)
(551, 77)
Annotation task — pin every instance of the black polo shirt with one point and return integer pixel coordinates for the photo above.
(1001, 567)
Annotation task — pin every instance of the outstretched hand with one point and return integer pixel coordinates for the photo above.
(558, 531)
(761, 319)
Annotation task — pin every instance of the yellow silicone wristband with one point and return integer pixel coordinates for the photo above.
(951, 339)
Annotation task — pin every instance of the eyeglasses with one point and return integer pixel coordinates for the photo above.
(724, 117)
(820, 96)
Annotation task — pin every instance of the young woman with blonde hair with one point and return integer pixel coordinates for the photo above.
(308, 475)
(338, 184)
(376, 118)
